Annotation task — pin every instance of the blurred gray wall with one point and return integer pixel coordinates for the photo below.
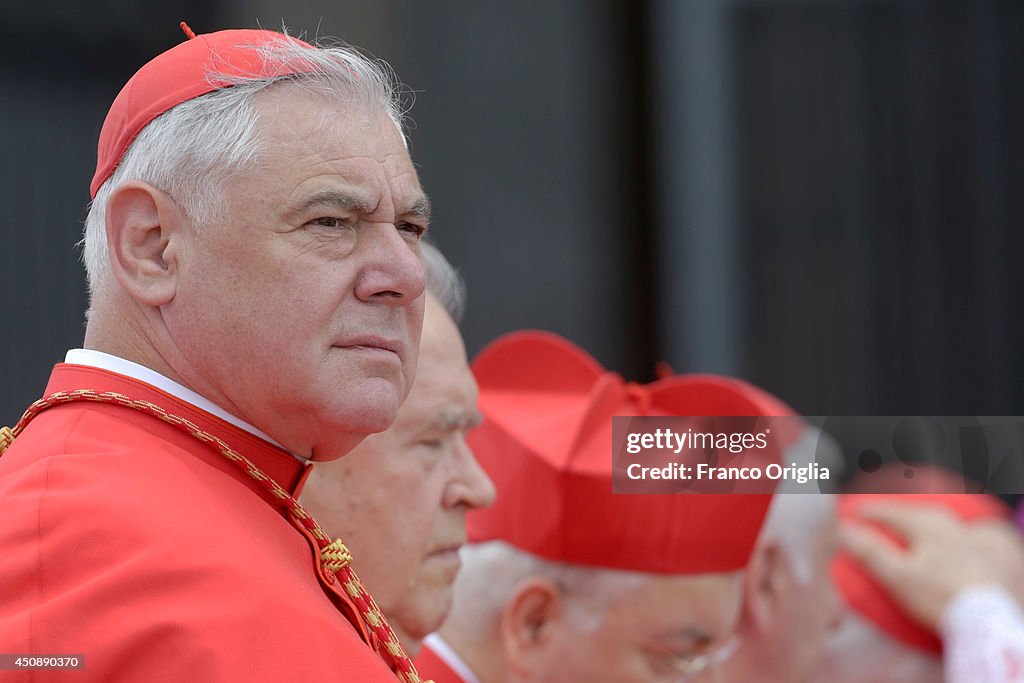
(819, 196)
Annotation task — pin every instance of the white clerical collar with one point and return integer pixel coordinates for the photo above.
(105, 361)
(450, 657)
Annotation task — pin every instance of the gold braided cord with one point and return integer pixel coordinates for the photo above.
(6, 437)
(335, 558)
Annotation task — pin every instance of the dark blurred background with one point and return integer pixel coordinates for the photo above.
(816, 196)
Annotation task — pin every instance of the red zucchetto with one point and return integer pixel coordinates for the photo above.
(868, 597)
(178, 75)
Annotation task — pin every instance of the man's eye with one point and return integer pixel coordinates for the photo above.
(331, 222)
(412, 229)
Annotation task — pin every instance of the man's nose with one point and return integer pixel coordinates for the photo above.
(391, 271)
(468, 485)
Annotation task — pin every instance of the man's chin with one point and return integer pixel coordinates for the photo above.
(337, 447)
(347, 427)
(372, 407)
(441, 567)
(428, 615)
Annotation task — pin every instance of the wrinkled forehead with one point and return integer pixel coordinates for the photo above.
(335, 102)
(441, 338)
(444, 388)
(301, 127)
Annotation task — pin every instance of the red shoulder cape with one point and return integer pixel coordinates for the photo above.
(130, 542)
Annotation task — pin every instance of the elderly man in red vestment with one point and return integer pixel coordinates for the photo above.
(256, 304)
(789, 603)
(565, 580)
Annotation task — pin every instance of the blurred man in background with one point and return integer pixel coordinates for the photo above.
(928, 580)
(400, 498)
(566, 581)
(789, 604)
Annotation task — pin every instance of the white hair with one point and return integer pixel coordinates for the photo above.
(796, 520)
(857, 652)
(443, 281)
(491, 573)
(188, 150)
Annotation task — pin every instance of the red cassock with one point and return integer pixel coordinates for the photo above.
(131, 542)
(431, 666)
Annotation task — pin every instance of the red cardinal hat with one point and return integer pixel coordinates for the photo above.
(868, 597)
(546, 442)
(178, 75)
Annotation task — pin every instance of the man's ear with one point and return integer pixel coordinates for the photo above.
(765, 586)
(145, 228)
(527, 625)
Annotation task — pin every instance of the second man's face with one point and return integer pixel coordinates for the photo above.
(647, 634)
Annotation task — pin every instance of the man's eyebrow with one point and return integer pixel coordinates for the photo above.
(335, 199)
(346, 201)
(451, 421)
(421, 208)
